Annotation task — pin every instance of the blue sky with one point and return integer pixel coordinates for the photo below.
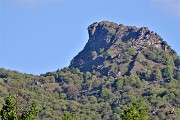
(37, 36)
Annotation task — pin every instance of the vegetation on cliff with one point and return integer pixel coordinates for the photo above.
(123, 71)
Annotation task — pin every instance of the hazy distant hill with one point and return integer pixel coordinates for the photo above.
(118, 66)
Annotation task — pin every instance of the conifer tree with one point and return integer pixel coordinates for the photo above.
(135, 112)
(67, 116)
(30, 114)
(9, 111)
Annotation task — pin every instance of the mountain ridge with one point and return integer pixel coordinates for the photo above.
(104, 36)
(118, 66)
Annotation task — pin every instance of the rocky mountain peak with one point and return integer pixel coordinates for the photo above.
(108, 32)
(111, 44)
(98, 30)
(120, 66)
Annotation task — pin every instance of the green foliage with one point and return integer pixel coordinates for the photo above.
(87, 75)
(67, 116)
(131, 51)
(177, 75)
(1, 81)
(135, 112)
(152, 55)
(10, 111)
(168, 72)
(105, 93)
(157, 75)
(30, 114)
(119, 84)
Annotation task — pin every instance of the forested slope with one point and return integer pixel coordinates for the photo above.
(119, 65)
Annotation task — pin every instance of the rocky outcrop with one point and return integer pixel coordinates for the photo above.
(108, 42)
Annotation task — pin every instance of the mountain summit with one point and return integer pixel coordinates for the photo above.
(123, 72)
(117, 50)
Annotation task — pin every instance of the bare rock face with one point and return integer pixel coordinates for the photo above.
(111, 45)
(102, 31)
(108, 31)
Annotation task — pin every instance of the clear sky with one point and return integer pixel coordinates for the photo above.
(37, 36)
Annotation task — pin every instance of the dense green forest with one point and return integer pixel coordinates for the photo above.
(120, 74)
